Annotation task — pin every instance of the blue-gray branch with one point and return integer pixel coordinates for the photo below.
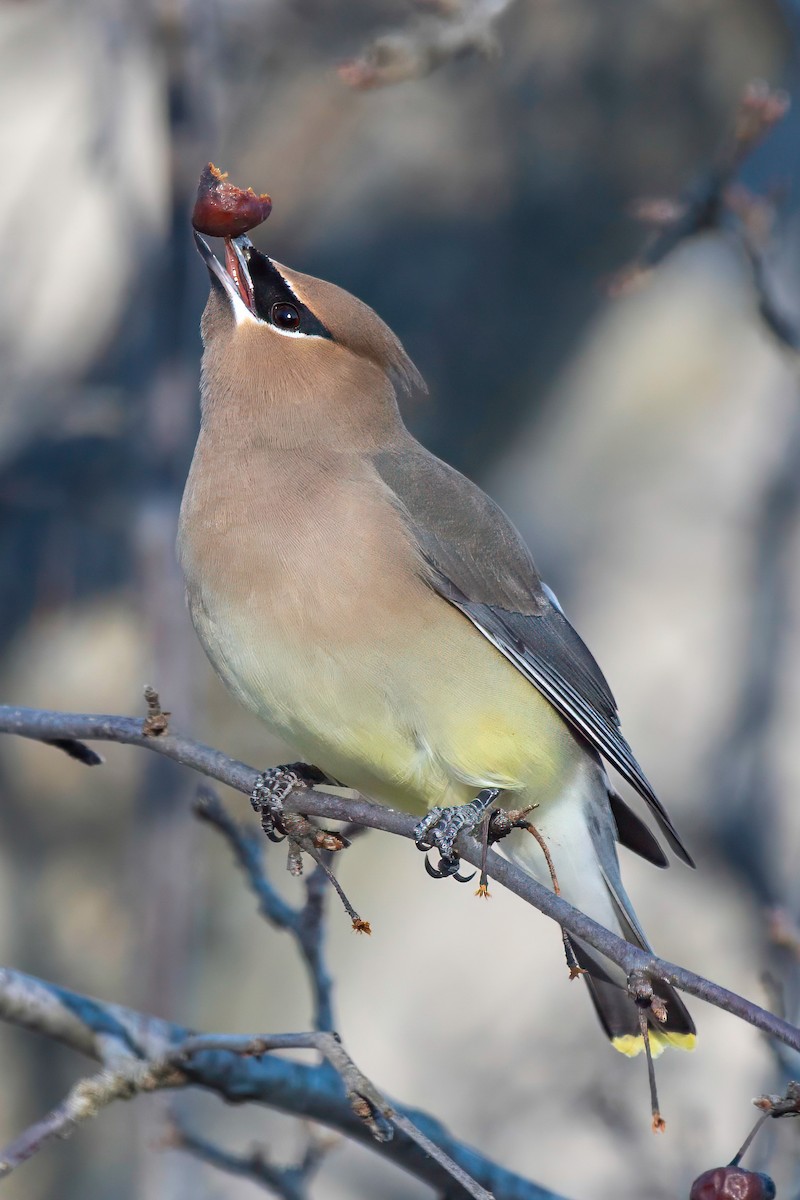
(108, 1031)
(57, 727)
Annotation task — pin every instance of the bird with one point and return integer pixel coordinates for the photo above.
(382, 615)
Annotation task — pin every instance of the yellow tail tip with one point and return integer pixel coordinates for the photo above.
(631, 1044)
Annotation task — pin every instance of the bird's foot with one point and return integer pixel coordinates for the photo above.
(439, 829)
(273, 787)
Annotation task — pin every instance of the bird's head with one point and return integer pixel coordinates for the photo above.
(299, 358)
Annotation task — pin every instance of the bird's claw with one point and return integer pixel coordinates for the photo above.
(439, 829)
(271, 789)
(448, 868)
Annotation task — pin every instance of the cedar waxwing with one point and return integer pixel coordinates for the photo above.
(382, 615)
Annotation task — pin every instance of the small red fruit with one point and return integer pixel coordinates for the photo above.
(224, 210)
(732, 1183)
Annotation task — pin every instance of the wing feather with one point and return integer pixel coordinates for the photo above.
(476, 560)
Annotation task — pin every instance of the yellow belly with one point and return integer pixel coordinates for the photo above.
(317, 619)
(414, 713)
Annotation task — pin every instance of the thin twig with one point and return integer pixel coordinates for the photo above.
(748, 1141)
(710, 202)
(716, 202)
(142, 1053)
(44, 725)
(85, 1100)
(452, 29)
(306, 924)
(289, 1182)
(787, 1105)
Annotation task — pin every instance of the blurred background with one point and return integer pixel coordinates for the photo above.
(647, 446)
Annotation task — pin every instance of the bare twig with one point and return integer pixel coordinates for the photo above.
(748, 1141)
(715, 202)
(305, 924)
(704, 204)
(141, 1053)
(366, 1101)
(739, 770)
(85, 1100)
(44, 725)
(454, 29)
(787, 1105)
(39, 724)
(289, 1182)
(783, 932)
(742, 781)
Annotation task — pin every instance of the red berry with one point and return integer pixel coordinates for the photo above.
(223, 210)
(732, 1183)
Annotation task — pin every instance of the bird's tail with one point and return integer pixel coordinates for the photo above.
(619, 1015)
(580, 834)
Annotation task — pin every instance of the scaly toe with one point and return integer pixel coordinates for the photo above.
(423, 827)
(273, 787)
(440, 828)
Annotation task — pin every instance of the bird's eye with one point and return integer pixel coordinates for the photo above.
(285, 316)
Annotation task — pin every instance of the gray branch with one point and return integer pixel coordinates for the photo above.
(451, 29)
(141, 1053)
(287, 1182)
(43, 725)
(306, 924)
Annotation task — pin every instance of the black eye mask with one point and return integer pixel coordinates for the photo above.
(272, 292)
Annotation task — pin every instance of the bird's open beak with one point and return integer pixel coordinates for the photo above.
(234, 276)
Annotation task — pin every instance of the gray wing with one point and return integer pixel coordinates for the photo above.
(477, 561)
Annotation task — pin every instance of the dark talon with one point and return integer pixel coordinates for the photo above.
(440, 827)
(432, 871)
(447, 869)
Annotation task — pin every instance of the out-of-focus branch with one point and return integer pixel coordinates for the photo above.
(289, 1183)
(452, 29)
(716, 202)
(707, 202)
(85, 1100)
(787, 1105)
(306, 924)
(142, 1053)
(43, 725)
(740, 774)
(742, 786)
(741, 778)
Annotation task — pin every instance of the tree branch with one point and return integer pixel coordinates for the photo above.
(452, 29)
(44, 725)
(289, 1182)
(715, 202)
(305, 924)
(142, 1052)
(85, 1100)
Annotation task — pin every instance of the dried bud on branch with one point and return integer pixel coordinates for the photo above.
(760, 109)
(157, 720)
(787, 1105)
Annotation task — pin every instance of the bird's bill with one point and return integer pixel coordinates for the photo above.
(234, 276)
